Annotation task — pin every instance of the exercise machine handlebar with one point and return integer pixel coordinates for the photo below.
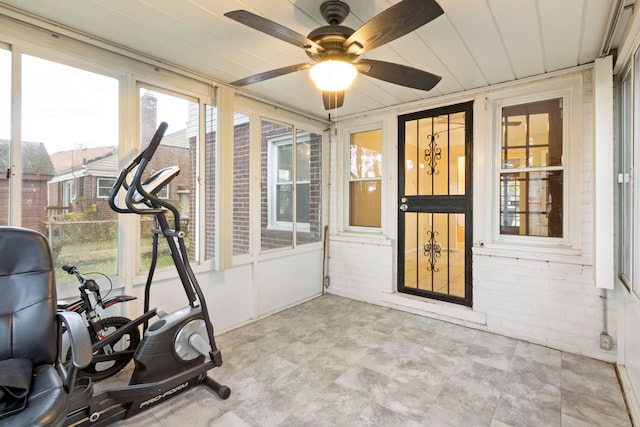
(135, 189)
(148, 153)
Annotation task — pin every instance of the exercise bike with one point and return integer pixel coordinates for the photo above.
(178, 348)
(109, 359)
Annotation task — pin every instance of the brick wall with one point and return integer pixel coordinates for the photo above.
(544, 298)
(547, 302)
(210, 194)
(241, 189)
(361, 270)
(315, 194)
(272, 238)
(551, 301)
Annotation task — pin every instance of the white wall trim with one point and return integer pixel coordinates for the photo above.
(603, 183)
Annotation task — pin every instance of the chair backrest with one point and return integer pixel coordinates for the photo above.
(27, 296)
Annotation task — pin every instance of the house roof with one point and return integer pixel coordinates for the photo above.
(102, 161)
(35, 159)
(64, 161)
(176, 139)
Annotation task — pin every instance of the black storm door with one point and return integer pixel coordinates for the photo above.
(435, 203)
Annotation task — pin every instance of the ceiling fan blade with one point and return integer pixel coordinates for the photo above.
(398, 74)
(270, 74)
(274, 29)
(332, 100)
(394, 22)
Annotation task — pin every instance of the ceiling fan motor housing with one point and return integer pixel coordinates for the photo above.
(334, 11)
(331, 38)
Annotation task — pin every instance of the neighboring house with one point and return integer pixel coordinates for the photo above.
(84, 178)
(37, 170)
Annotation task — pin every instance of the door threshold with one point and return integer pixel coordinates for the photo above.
(441, 310)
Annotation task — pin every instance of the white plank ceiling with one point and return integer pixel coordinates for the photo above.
(476, 43)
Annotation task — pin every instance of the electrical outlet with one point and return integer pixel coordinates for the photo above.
(605, 341)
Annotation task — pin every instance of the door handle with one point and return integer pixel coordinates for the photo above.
(403, 204)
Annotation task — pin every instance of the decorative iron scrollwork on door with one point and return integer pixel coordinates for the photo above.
(432, 154)
(432, 250)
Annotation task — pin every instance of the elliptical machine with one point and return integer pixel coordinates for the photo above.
(178, 349)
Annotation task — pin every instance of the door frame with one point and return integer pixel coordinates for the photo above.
(463, 203)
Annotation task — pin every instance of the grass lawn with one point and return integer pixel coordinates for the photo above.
(101, 257)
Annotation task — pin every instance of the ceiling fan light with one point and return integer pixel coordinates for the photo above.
(333, 75)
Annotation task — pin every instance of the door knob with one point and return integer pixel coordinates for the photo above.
(403, 205)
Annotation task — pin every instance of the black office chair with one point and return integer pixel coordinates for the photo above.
(32, 373)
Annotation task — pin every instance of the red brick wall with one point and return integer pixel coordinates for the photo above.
(271, 239)
(210, 194)
(241, 218)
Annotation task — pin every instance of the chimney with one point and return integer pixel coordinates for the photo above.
(148, 117)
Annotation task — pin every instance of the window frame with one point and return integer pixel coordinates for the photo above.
(569, 89)
(532, 173)
(129, 73)
(272, 163)
(627, 105)
(199, 215)
(256, 113)
(346, 170)
(99, 187)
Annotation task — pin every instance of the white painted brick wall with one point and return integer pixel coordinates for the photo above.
(548, 303)
(552, 302)
(361, 271)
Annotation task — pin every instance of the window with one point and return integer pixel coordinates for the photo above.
(67, 194)
(177, 148)
(104, 187)
(68, 140)
(275, 204)
(183, 204)
(365, 179)
(291, 194)
(282, 202)
(532, 170)
(74, 145)
(625, 211)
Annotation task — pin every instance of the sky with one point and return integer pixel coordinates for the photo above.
(67, 108)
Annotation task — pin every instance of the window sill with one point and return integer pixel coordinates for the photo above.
(301, 227)
(549, 253)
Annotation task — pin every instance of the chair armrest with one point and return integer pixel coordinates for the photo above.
(80, 342)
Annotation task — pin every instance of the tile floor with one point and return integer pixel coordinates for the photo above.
(337, 362)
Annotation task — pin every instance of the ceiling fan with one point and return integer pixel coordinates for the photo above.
(333, 46)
